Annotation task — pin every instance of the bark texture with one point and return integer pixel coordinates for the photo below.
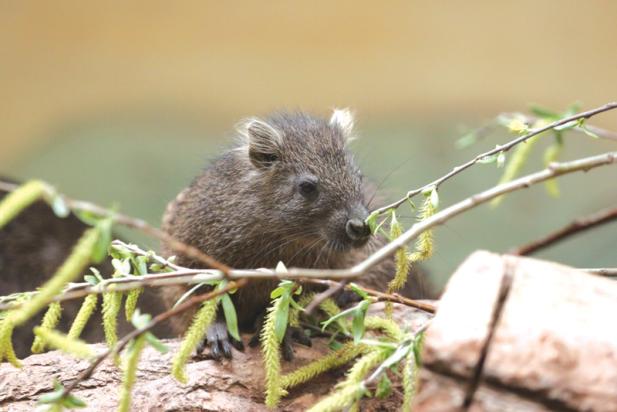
(231, 385)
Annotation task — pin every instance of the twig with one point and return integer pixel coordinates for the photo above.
(334, 288)
(500, 148)
(608, 272)
(579, 225)
(140, 225)
(155, 321)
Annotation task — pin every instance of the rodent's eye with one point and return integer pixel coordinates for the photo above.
(308, 188)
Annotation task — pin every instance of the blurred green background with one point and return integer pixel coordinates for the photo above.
(123, 102)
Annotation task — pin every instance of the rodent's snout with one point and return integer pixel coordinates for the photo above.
(357, 230)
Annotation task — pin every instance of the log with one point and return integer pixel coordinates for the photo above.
(231, 385)
(520, 334)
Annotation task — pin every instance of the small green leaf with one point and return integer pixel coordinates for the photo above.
(384, 387)
(140, 320)
(72, 402)
(466, 140)
(435, 198)
(371, 221)
(231, 318)
(280, 322)
(357, 323)
(417, 348)
(156, 343)
(488, 159)
(58, 205)
(91, 280)
(52, 397)
(188, 293)
(358, 290)
(501, 159)
(104, 239)
(123, 266)
(543, 112)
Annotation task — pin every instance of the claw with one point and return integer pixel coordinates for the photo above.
(219, 341)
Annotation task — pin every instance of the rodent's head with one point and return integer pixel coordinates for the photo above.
(306, 180)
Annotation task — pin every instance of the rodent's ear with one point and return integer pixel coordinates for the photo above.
(263, 141)
(343, 119)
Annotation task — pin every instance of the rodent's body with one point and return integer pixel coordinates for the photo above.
(292, 193)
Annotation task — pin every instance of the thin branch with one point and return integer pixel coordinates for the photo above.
(608, 272)
(577, 226)
(500, 148)
(320, 298)
(139, 224)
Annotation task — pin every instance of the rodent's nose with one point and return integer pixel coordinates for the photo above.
(357, 230)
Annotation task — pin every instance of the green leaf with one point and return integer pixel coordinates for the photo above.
(188, 293)
(72, 402)
(102, 244)
(123, 266)
(52, 397)
(488, 159)
(371, 221)
(358, 290)
(588, 132)
(417, 348)
(435, 198)
(231, 318)
(501, 159)
(280, 322)
(357, 323)
(544, 112)
(58, 205)
(140, 320)
(466, 140)
(156, 343)
(342, 314)
(91, 280)
(384, 387)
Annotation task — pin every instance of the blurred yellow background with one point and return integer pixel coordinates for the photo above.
(123, 101)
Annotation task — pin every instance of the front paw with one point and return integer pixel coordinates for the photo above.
(219, 341)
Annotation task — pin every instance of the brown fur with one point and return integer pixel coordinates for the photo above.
(245, 210)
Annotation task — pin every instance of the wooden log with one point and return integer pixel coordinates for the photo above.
(230, 385)
(518, 334)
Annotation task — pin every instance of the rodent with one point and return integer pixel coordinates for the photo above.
(290, 191)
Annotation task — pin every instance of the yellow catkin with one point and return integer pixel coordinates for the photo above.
(552, 155)
(294, 313)
(68, 272)
(330, 307)
(131, 302)
(401, 264)
(363, 366)
(340, 399)
(409, 381)
(6, 345)
(271, 356)
(62, 342)
(194, 335)
(19, 199)
(49, 322)
(85, 312)
(516, 163)
(332, 360)
(424, 244)
(112, 302)
(388, 326)
(131, 362)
